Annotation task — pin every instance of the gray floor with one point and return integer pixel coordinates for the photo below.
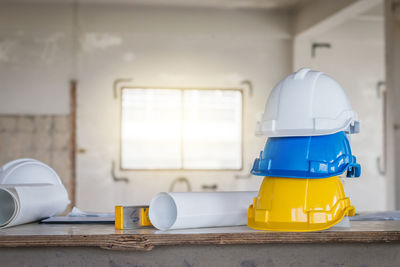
(226, 255)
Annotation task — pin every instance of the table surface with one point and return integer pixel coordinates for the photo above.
(105, 236)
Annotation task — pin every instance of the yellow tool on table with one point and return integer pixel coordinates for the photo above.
(131, 217)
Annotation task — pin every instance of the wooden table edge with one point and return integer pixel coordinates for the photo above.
(149, 241)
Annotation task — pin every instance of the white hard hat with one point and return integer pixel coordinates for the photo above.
(28, 171)
(307, 103)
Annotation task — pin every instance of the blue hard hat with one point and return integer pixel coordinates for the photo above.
(307, 157)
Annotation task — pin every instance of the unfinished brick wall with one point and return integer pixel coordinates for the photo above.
(42, 137)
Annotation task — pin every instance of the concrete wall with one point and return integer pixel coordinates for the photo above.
(392, 41)
(356, 60)
(36, 65)
(42, 137)
(172, 48)
(43, 46)
(36, 58)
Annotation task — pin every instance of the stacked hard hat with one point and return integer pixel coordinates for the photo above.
(307, 120)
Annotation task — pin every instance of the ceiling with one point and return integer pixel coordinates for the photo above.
(239, 4)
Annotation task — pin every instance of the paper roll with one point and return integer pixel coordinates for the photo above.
(26, 203)
(199, 209)
(29, 191)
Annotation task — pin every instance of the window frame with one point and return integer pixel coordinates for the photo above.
(181, 89)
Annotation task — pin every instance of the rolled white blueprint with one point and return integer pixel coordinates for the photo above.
(26, 203)
(200, 209)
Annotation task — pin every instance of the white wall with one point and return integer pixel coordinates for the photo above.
(36, 58)
(43, 46)
(356, 61)
(169, 47)
(176, 47)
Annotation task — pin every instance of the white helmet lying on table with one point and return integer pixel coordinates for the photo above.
(307, 103)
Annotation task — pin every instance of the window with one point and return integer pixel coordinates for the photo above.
(194, 129)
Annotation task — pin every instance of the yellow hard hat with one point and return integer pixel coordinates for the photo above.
(299, 205)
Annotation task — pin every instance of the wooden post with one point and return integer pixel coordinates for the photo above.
(73, 106)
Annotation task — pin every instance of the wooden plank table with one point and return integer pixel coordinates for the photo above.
(105, 236)
(45, 238)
